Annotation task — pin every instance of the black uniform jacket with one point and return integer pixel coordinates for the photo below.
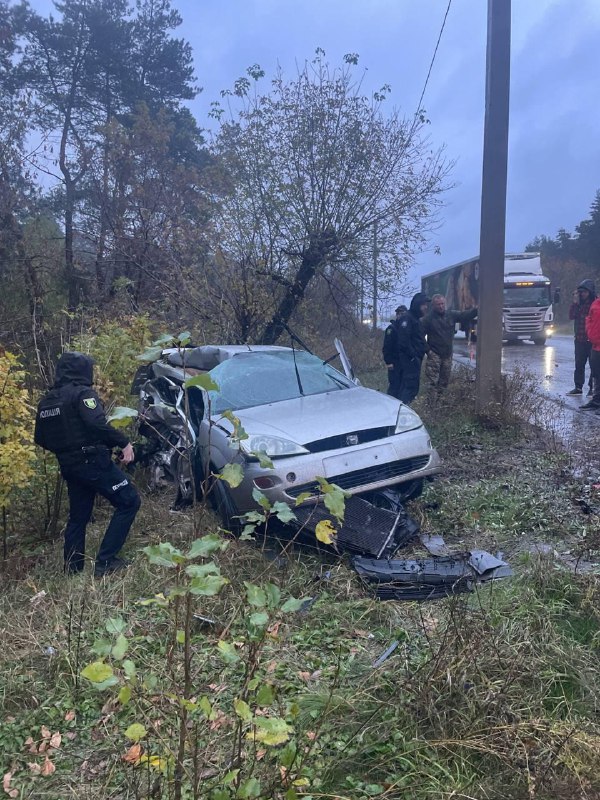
(410, 341)
(71, 417)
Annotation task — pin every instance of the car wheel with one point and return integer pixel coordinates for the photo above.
(224, 506)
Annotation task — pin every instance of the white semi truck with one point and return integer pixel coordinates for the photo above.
(527, 311)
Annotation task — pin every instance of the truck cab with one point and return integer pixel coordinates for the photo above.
(527, 310)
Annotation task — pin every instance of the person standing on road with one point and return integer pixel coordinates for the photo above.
(583, 298)
(592, 328)
(71, 423)
(389, 351)
(439, 327)
(411, 347)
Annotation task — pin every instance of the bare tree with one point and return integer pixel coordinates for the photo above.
(316, 168)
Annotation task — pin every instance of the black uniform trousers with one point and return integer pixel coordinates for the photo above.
(410, 379)
(97, 475)
(582, 356)
(394, 380)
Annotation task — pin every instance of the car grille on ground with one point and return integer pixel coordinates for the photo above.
(350, 439)
(366, 528)
(362, 477)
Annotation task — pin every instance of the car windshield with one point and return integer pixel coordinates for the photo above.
(527, 296)
(257, 378)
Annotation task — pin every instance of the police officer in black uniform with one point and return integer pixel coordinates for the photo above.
(71, 423)
(411, 347)
(390, 354)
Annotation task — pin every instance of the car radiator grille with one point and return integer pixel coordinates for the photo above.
(362, 477)
(350, 439)
(524, 321)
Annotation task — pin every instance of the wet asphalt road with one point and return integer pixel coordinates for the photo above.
(553, 367)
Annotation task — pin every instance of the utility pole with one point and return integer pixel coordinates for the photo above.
(375, 270)
(493, 205)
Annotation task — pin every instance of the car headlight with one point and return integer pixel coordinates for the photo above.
(407, 420)
(272, 446)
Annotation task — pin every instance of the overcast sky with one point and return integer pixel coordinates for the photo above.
(554, 160)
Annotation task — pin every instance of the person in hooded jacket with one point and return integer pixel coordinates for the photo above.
(583, 298)
(71, 423)
(410, 347)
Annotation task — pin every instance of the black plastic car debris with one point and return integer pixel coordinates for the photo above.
(366, 529)
(434, 544)
(430, 578)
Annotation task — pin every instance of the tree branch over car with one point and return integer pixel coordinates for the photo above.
(316, 167)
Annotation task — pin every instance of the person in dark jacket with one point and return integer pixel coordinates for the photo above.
(390, 354)
(411, 347)
(439, 327)
(583, 298)
(592, 328)
(71, 423)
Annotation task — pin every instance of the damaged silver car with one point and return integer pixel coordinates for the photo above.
(308, 418)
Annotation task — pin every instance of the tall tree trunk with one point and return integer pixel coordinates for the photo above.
(314, 257)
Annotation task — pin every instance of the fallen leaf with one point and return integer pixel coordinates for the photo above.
(362, 634)
(55, 740)
(132, 756)
(45, 732)
(30, 745)
(310, 676)
(220, 720)
(260, 754)
(272, 666)
(34, 767)
(71, 735)
(69, 716)
(6, 781)
(311, 735)
(274, 629)
(43, 746)
(48, 768)
(325, 532)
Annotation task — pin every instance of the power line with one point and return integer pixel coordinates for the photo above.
(433, 57)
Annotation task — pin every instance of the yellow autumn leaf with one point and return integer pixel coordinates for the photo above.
(270, 731)
(325, 531)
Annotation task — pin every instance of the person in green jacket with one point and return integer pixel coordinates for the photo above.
(439, 327)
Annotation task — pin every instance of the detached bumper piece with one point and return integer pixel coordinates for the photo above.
(366, 529)
(430, 578)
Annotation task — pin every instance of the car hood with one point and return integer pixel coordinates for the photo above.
(317, 416)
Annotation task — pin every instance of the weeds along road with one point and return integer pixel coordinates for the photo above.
(551, 370)
(552, 365)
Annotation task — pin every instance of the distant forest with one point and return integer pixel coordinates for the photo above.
(569, 258)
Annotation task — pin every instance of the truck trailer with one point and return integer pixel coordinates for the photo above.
(527, 311)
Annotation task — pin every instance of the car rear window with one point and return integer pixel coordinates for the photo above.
(256, 379)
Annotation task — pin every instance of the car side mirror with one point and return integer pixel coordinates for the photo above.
(556, 297)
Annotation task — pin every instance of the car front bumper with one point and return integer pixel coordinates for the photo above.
(404, 457)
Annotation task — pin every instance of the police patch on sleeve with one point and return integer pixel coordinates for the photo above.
(90, 402)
